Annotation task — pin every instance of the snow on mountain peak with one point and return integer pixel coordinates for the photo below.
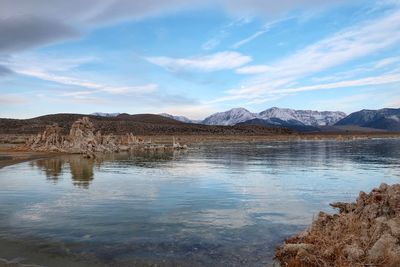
(299, 117)
(102, 114)
(307, 117)
(230, 117)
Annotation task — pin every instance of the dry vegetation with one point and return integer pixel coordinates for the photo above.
(142, 124)
(365, 233)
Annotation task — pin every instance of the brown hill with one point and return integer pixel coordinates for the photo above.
(139, 124)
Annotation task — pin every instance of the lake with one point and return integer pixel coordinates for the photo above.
(222, 204)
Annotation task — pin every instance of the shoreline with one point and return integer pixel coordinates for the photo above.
(14, 153)
(295, 245)
(11, 157)
(364, 233)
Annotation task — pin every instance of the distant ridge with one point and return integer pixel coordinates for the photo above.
(138, 124)
(385, 119)
(178, 118)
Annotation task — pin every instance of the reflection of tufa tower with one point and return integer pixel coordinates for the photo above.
(52, 167)
(81, 171)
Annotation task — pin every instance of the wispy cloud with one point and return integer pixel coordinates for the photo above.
(47, 62)
(345, 46)
(387, 62)
(28, 25)
(223, 32)
(265, 28)
(97, 87)
(375, 80)
(249, 39)
(254, 69)
(214, 62)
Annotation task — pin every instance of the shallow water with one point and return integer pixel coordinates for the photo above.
(213, 205)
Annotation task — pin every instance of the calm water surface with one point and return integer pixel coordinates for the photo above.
(213, 205)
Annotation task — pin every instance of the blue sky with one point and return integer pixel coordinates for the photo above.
(194, 58)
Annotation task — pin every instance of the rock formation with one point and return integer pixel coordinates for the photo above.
(81, 139)
(177, 145)
(365, 233)
(49, 140)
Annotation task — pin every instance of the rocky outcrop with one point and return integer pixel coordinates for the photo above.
(50, 140)
(81, 139)
(364, 233)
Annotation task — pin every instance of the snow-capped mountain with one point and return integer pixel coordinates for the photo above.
(289, 116)
(272, 116)
(101, 114)
(178, 118)
(230, 117)
(385, 119)
(306, 117)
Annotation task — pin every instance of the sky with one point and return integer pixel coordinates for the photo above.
(194, 58)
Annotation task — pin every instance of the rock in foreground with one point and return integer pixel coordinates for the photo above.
(365, 233)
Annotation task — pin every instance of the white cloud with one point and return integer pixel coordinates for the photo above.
(387, 62)
(47, 62)
(266, 28)
(224, 32)
(376, 80)
(213, 62)
(344, 46)
(249, 39)
(96, 87)
(259, 90)
(214, 41)
(61, 70)
(253, 69)
(25, 18)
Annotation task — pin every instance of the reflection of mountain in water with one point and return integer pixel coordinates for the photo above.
(82, 169)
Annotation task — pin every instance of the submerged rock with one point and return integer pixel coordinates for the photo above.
(364, 233)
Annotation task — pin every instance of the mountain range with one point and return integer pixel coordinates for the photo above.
(276, 116)
(298, 120)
